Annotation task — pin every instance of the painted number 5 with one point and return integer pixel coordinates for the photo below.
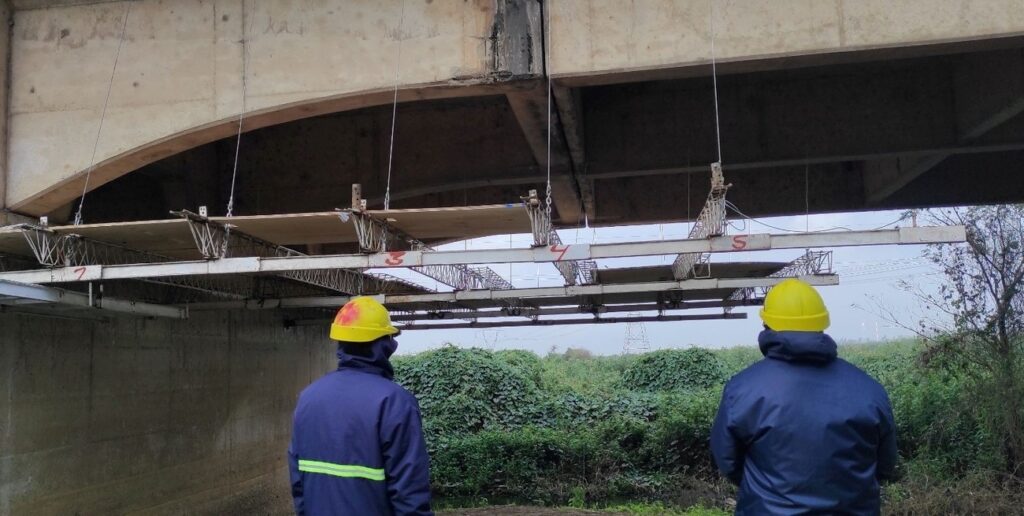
(395, 258)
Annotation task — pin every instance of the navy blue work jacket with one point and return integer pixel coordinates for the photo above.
(357, 442)
(804, 432)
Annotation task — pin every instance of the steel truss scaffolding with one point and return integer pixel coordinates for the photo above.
(69, 250)
(711, 222)
(575, 272)
(216, 241)
(812, 263)
(377, 236)
(408, 259)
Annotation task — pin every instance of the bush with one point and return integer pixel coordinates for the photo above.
(573, 409)
(693, 368)
(468, 390)
(526, 362)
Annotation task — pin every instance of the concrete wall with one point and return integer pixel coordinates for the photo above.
(591, 38)
(150, 416)
(178, 81)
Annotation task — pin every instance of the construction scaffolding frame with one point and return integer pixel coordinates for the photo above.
(378, 236)
(409, 259)
(575, 272)
(710, 223)
(217, 241)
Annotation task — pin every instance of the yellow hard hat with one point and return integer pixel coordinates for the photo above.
(362, 319)
(794, 305)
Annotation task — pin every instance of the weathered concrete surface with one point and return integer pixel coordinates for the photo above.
(180, 75)
(602, 41)
(5, 54)
(856, 104)
(150, 417)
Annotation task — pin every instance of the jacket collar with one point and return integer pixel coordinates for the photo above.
(797, 346)
(374, 362)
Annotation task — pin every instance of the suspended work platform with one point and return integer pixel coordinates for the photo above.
(243, 263)
(174, 237)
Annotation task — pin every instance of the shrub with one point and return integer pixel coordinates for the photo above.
(573, 409)
(468, 390)
(693, 368)
(577, 354)
(526, 362)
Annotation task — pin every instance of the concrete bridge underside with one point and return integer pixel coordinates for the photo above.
(825, 105)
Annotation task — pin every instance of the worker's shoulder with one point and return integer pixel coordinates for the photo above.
(768, 370)
(355, 381)
(858, 376)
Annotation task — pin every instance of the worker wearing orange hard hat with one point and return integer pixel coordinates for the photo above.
(803, 431)
(357, 441)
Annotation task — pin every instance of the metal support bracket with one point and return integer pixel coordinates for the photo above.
(710, 223)
(215, 241)
(812, 263)
(378, 236)
(575, 272)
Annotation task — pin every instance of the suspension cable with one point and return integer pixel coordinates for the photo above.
(103, 114)
(241, 115)
(547, 72)
(394, 109)
(714, 81)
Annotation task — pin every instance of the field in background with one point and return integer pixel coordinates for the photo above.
(629, 433)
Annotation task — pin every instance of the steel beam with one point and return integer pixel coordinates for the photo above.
(11, 293)
(393, 259)
(560, 322)
(526, 294)
(445, 314)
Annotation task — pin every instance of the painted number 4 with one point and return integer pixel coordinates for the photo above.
(560, 251)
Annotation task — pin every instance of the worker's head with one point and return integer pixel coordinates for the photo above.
(794, 305)
(362, 321)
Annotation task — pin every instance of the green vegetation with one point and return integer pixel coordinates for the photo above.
(629, 434)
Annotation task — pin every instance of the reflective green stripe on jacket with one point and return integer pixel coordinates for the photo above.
(341, 470)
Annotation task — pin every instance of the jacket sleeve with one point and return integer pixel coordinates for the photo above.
(405, 456)
(296, 478)
(727, 450)
(888, 453)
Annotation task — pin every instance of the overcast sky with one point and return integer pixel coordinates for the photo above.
(868, 288)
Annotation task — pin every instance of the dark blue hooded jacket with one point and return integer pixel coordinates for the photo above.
(804, 432)
(357, 443)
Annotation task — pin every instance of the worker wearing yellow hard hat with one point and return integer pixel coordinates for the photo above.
(357, 440)
(794, 305)
(803, 430)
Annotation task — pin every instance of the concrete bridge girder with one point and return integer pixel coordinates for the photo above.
(631, 95)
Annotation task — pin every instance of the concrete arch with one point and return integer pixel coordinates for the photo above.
(178, 81)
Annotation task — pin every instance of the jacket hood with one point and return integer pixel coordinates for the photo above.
(371, 357)
(797, 346)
